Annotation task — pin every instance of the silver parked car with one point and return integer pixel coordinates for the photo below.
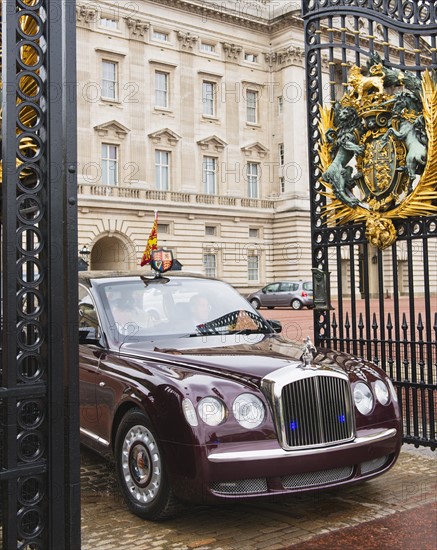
(295, 294)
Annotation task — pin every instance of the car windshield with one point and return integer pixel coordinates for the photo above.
(175, 307)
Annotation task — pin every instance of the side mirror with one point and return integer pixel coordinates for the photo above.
(89, 335)
(276, 325)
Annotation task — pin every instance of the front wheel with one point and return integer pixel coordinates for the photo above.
(141, 471)
(296, 304)
(255, 303)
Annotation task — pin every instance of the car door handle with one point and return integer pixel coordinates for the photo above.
(101, 384)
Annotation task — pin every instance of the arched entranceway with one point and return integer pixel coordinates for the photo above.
(112, 252)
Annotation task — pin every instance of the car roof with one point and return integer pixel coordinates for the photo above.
(291, 281)
(85, 277)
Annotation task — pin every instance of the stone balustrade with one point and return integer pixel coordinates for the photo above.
(140, 194)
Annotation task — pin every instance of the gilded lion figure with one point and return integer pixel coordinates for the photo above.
(363, 84)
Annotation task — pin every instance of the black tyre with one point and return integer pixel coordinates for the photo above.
(255, 303)
(296, 304)
(141, 471)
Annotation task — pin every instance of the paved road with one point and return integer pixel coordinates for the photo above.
(367, 516)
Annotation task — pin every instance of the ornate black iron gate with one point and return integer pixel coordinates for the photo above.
(39, 427)
(372, 122)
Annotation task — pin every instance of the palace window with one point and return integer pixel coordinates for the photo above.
(253, 268)
(109, 164)
(109, 80)
(210, 265)
(252, 172)
(209, 175)
(161, 89)
(208, 98)
(252, 106)
(162, 170)
(161, 36)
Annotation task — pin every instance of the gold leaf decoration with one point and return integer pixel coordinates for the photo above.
(378, 212)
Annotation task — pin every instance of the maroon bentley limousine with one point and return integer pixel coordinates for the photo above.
(197, 397)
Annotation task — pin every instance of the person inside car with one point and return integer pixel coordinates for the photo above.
(200, 309)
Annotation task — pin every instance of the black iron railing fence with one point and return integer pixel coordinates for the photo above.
(367, 282)
(410, 363)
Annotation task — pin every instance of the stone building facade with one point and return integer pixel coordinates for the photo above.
(195, 109)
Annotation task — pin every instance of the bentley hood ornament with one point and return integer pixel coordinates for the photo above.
(308, 352)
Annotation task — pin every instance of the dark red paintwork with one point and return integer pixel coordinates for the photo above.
(114, 379)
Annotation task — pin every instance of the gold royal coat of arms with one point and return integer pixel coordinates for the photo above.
(378, 151)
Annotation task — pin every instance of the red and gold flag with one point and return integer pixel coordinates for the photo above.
(152, 242)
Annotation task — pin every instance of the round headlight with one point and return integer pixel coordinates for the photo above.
(381, 392)
(248, 410)
(363, 398)
(211, 410)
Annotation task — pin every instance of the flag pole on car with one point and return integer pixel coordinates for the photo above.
(152, 242)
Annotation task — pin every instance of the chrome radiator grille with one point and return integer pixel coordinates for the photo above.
(316, 411)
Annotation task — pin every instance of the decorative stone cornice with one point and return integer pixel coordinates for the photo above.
(217, 11)
(286, 56)
(159, 136)
(85, 14)
(187, 40)
(270, 58)
(211, 143)
(136, 27)
(112, 126)
(232, 51)
(220, 12)
(292, 54)
(256, 148)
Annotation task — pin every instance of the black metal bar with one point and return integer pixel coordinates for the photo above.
(72, 495)
(9, 270)
(39, 340)
(353, 298)
(381, 292)
(340, 296)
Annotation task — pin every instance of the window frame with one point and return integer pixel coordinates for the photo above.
(207, 47)
(253, 178)
(281, 153)
(206, 172)
(107, 161)
(164, 91)
(211, 230)
(252, 107)
(163, 228)
(209, 101)
(111, 20)
(157, 34)
(162, 168)
(207, 267)
(253, 269)
(251, 57)
(114, 82)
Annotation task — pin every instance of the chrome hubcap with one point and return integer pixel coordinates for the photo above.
(141, 464)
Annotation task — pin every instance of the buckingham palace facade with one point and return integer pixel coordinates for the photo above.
(196, 110)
